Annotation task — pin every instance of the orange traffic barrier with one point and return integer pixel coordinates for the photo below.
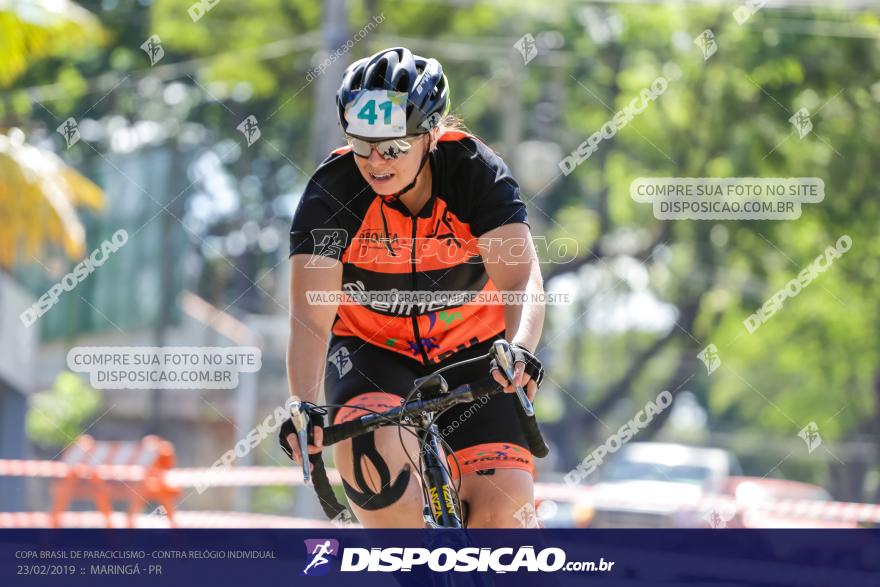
(104, 472)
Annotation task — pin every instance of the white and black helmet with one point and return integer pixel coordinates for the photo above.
(398, 70)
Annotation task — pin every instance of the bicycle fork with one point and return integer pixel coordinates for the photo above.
(439, 509)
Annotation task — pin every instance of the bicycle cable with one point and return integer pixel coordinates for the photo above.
(404, 426)
(443, 464)
(408, 428)
(422, 441)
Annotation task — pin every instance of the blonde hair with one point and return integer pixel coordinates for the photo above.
(452, 122)
(449, 122)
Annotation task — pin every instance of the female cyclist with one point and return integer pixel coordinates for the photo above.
(412, 205)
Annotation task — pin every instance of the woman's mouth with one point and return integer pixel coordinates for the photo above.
(380, 177)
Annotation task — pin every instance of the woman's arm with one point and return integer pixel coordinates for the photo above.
(310, 326)
(310, 323)
(512, 264)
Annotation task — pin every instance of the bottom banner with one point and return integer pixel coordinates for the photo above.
(797, 558)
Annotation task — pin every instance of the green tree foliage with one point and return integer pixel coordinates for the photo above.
(58, 415)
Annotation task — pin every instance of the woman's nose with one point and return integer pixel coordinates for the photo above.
(375, 158)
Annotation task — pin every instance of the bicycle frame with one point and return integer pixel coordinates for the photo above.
(439, 511)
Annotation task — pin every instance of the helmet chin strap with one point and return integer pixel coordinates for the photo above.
(412, 184)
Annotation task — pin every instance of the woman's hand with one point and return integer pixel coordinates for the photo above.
(527, 372)
(290, 442)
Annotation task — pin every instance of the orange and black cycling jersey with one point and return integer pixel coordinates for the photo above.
(384, 247)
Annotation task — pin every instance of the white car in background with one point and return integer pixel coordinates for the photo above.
(647, 484)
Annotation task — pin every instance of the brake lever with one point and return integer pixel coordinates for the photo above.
(300, 420)
(504, 358)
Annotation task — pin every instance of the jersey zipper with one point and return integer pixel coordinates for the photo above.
(414, 317)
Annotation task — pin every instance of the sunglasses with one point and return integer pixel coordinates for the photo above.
(390, 149)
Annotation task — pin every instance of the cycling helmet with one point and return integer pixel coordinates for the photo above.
(397, 70)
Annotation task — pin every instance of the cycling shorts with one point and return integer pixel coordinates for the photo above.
(484, 434)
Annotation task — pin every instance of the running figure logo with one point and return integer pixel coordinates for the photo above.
(153, 48)
(710, 358)
(328, 242)
(801, 121)
(718, 517)
(250, 129)
(70, 131)
(317, 551)
(810, 435)
(342, 361)
(706, 42)
(526, 47)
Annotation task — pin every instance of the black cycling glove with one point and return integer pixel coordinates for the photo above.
(315, 417)
(534, 368)
(286, 428)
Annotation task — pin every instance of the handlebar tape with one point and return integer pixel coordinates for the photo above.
(529, 424)
(537, 445)
(331, 506)
(344, 431)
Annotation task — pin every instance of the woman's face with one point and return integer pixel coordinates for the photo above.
(392, 175)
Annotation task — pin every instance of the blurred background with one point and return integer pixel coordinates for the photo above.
(133, 114)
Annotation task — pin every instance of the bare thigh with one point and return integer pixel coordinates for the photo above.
(500, 500)
(406, 501)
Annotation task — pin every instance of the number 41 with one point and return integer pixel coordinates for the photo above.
(368, 112)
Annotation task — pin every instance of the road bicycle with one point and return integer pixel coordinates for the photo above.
(429, 397)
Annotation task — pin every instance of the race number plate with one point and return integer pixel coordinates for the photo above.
(379, 114)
